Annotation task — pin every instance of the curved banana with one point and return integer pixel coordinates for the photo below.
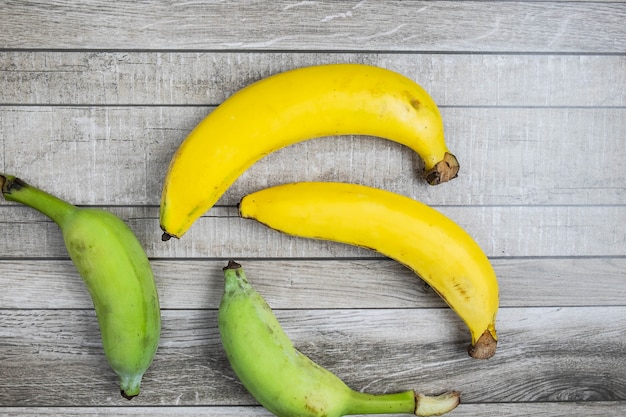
(286, 382)
(294, 106)
(117, 274)
(414, 234)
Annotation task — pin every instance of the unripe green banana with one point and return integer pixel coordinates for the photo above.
(286, 382)
(117, 274)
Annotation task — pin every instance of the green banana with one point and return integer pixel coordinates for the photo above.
(117, 274)
(286, 382)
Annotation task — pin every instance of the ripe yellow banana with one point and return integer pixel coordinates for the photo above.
(414, 234)
(117, 274)
(294, 106)
(285, 381)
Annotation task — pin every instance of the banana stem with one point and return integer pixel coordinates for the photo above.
(407, 402)
(397, 403)
(14, 189)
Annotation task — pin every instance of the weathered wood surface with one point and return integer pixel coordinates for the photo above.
(587, 408)
(591, 409)
(508, 156)
(207, 78)
(96, 96)
(500, 230)
(540, 357)
(306, 25)
(325, 283)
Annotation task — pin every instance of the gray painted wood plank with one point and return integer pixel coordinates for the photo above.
(53, 357)
(317, 284)
(501, 231)
(556, 409)
(545, 409)
(286, 25)
(508, 156)
(196, 78)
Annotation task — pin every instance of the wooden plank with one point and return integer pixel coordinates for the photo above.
(283, 25)
(318, 284)
(545, 409)
(508, 156)
(53, 357)
(202, 78)
(501, 231)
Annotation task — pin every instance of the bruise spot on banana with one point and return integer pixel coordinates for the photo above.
(462, 291)
(17, 184)
(412, 100)
(315, 405)
(444, 170)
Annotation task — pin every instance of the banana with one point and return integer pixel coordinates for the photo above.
(293, 106)
(286, 382)
(117, 273)
(412, 233)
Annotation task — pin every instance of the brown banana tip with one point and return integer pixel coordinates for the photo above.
(444, 170)
(232, 265)
(484, 348)
(9, 182)
(165, 237)
(128, 397)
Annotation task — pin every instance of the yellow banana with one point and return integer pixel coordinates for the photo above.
(117, 274)
(414, 234)
(294, 106)
(286, 382)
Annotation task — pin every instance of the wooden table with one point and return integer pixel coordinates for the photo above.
(97, 95)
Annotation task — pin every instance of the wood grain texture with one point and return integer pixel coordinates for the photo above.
(291, 25)
(546, 409)
(318, 284)
(508, 156)
(501, 231)
(591, 409)
(47, 362)
(208, 78)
